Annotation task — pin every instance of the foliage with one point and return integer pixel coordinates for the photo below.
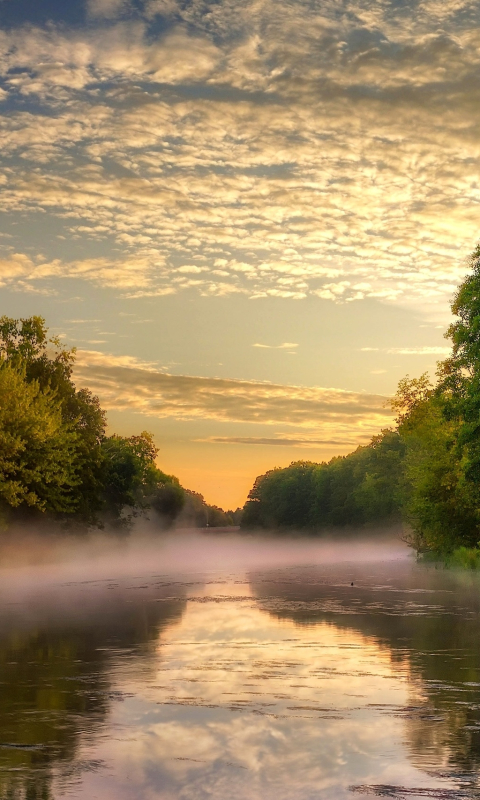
(349, 490)
(129, 474)
(464, 557)
(25, 344)
(169, 497)
(196, 513)
(439, 503)
(441, 428)
(460, 373)
(37, 465)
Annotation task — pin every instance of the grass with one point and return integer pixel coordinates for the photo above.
(460, 558)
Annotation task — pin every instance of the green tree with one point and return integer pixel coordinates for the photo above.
(381, 467)
(282, 497)
(37, 447)
(360, 488)
(128, 473)
(168, 498)
(440, 426)
(437, 500)
(25, 343)
(459, 375)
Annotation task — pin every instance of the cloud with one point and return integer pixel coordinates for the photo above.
(123, 383)
(127, 274)
(14, 267)
(409, 351)
(420, 351)
(82, 321)
(286, 441)
(164, 8)
(106, 8)
(334, 155)
(284, 346)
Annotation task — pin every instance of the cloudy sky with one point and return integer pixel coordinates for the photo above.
(248, 215)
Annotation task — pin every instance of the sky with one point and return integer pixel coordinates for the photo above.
(249, 216)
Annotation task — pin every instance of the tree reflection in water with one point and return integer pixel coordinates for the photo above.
(57, 651)
(428, 618)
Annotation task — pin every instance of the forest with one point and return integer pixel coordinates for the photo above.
(425, 471)
(57, 465)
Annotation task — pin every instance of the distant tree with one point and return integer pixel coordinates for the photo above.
(283, 497)
(196, 513)
(360, 488)
(234, 516)
(129, 475)
(168, 498)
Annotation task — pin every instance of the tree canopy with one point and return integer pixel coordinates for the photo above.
(348, 490)
(37, 447)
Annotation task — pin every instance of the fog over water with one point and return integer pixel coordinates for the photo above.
(47, 558)
(202, 665)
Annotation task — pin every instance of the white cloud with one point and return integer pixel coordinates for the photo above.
(135, 272)
(420, 351)
(284, 346)
(409, 351)
(334, 155)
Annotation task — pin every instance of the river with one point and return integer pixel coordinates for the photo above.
(198, 667)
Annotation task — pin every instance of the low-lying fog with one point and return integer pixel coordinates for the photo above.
(29, 558)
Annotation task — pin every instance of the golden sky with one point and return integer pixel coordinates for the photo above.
(249, 216)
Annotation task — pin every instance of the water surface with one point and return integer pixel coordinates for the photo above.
(228, 668)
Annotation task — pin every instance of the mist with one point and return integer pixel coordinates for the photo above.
(33, 560)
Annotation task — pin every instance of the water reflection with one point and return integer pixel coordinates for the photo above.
(428, 619)
(57, 651)
(242, 682)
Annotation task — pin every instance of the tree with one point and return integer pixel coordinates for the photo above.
(282, 497)
(440, 426)
(129, 474)
(438, 502)
(459, 375)
(25, 344)
(348, 490)
(169, 497)
(54, 454)
(38, 468)
(379, 477)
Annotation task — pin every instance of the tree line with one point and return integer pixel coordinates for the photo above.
(57, 462)
(425, 470)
